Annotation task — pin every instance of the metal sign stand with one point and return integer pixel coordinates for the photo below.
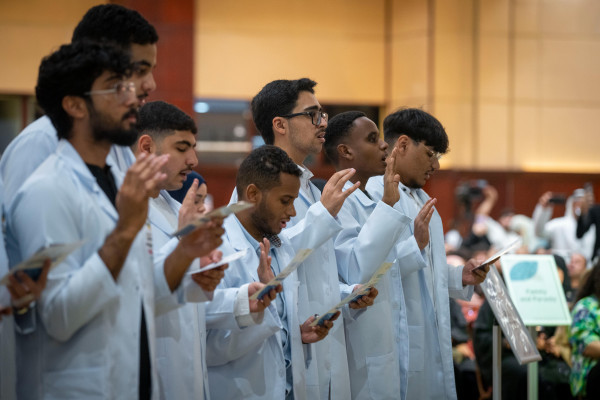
(496, 362)
(532, 373)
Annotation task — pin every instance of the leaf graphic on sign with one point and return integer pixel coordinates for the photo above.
(523, 270)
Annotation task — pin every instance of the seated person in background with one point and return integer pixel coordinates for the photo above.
(561, 232)
(576, 269)
(590, 215)
(585, 338)
(508, 228)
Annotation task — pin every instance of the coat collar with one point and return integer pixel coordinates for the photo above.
(67, 152)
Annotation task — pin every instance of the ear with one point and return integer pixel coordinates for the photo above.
(345, 152)
(145, 144)
(75, 106)
(253, 194)
(403, 143)
(279, 125)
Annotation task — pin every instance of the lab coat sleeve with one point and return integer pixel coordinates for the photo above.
(223, 346)
(164, 299)
(541, 216)
(79, 288)
(360, 250)
(408, 256)
(456, 290)
(314, 229)
(220, 311)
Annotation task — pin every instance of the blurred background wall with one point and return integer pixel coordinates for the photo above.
(514, 82)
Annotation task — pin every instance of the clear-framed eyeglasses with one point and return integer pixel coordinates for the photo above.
(316, 116)
(433, 155)
(122, 90)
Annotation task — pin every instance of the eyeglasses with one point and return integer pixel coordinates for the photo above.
(432, 154)
(122, 90)
(320, 115)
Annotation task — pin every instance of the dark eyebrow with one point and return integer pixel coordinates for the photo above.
(185, 142)
(141, 63)
(114, 77)
(315, 107)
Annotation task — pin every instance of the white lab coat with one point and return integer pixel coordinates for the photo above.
(324, 291)
(7, 334)
(249, 363)
(377, 339)
(25, 153)
(180, 333)
(426, 347)
(88, 343)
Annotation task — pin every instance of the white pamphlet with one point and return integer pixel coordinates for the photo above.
(219, 212)
(57, 253)
(366, 287)
(292, 266)
(225, 260)
(499, 254)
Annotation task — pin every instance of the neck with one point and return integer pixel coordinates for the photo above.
(245, 218)
(361, 176)
(297, 156)
(91, 151)
(575, 282)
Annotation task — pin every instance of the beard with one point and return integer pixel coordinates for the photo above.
(260, 218)
(113, 132)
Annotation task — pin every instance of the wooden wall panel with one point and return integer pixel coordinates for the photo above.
(174, 22)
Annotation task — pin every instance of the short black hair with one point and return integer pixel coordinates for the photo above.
(71, 71)
(160, 119)
(262, 168)
(338, 129)
(277, 98)
(417, 125)
(117, 24)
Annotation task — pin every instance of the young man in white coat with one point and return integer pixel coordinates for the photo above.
(15, 299)
(377, 340)
(272, 359)
(111, 22)
(96, 338)
(420, 140)
(181, 333)
(288, 115)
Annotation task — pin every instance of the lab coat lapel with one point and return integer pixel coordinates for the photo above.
(68, 152)
(157, 218)
(237, 240)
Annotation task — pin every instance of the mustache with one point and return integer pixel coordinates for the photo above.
(131, 113)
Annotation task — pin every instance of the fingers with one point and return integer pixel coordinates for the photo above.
(190, 196)
(339, 179)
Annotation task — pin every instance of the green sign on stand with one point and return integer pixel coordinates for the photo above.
(535, 289)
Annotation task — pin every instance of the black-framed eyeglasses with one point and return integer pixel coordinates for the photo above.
(122, 90)
(319, 115)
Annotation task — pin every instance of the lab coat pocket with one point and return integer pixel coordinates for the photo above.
(80, 383)
(383, 372)
(416, 353)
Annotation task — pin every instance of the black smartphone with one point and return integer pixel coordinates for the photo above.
(557, 199)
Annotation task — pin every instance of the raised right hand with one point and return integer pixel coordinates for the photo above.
(334, 195)
(391, 193)
(544, 199)
(142, 180)
(422, 223)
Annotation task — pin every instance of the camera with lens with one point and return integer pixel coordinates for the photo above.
(470, 191)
